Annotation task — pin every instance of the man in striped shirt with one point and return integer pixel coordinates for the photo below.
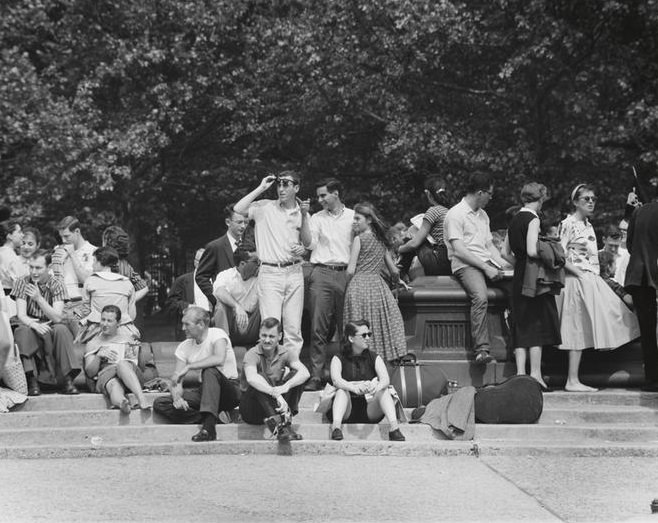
(45, 344)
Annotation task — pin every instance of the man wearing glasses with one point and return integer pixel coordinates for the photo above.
(277, 234)
(473, 256)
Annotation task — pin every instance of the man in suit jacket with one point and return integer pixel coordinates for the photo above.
(641, 281)
(218, 255)
(184, 292)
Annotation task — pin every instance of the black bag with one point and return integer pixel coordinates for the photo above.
(517, 400)
(418, 383)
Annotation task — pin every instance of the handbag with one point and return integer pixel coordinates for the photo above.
(326, 399)
(13, 375)
(418, 383)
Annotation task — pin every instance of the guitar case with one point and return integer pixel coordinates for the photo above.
(518, 399)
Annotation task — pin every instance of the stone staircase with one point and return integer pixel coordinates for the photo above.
(613, 422)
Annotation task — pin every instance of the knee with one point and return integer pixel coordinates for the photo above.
(209, 373)
(479, 299)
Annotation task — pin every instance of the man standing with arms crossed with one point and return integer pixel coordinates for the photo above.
(280, 278)
(328, 234)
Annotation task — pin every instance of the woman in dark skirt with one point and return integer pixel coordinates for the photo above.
(536, 321)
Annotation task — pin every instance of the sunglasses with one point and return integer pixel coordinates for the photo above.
(588, 198)
(283, 182)
(365, 335)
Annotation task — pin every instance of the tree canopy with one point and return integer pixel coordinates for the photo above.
(154, 115)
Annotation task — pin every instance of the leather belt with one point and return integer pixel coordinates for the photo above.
(331, 267)
(70, 300)
(281, 265)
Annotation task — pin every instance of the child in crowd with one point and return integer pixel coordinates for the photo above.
(607, 271)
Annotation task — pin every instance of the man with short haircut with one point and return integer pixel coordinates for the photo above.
(474, 258)
(328, 234)
(237, 299)
(641, 282)
(207, 352)
(280, 278)
(73, 264)
(218, 255)
(271, 382)
(44, 342)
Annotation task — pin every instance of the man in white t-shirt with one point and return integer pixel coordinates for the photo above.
(209, 353)
(278, 244)
(237, 299)
(72, 264)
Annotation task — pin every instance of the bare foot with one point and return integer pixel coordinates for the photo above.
(579, 387)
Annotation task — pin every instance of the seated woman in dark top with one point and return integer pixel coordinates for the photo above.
(360, 397)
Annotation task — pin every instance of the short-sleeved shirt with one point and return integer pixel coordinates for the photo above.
(331, 237)
(110, 288)
(85, 255)
(273, 369)
(472, 227)
(190, 351)
(277, 229)
(51, 289)
(242, 291)
(435, 216)
(578, 240)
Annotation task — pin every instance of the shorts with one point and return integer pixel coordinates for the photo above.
(110, 371)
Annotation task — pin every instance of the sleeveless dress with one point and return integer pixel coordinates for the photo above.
(368, 297)
(591, 314)
(536, 322)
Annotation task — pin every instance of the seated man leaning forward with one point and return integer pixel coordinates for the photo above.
(44, 342)
(237, 299)
(474, 258)
(208, 350)
(111, 359)
(271, 382)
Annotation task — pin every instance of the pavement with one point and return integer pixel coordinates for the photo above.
(329, 488)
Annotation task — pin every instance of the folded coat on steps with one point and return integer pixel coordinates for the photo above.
(453, 414)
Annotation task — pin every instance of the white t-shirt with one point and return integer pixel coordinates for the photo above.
(190, 351)
(277, 229)
(331, 237)
(245, 292)
(85, 255)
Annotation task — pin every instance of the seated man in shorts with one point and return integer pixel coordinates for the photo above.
(271, 382)
(111, 359)
(208, 351)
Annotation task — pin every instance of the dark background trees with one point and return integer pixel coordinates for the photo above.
(155, 114)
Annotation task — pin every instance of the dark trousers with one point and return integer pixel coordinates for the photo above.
(224, 319)
(644, 301)
(255, 405)
(216, 394)
(54, 352)
(434, 259)
(327, 296)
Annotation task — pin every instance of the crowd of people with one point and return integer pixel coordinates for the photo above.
(250, 287)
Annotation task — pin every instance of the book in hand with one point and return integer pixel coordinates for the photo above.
(122, 351)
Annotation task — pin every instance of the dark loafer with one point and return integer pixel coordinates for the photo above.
(33, 388)
(337, 434)
(204, 435)
(69, 388)
(396, 435)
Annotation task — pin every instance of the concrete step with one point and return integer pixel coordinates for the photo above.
(566, 448)
(304, 447)
(84, 401)
(154, 433)
(553, 433)
(596, 415)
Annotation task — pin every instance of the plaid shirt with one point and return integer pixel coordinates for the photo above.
(51, 289)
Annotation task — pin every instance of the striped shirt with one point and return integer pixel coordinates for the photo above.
(51, 289)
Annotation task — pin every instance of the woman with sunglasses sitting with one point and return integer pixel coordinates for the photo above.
(361, 380)
(591, 315)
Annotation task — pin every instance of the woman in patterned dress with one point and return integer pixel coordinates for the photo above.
(367, 296)
(591, 315)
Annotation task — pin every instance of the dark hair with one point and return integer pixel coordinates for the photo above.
(242, 255)
(106, 256)
(612, 231)
(229, 211)
(290, 174)
(269, 323)
(68, 222)
(34, 232)
(436, 187)
(478, 181)
(331, 184)
(114, 236)
(112, 308)
(200, 315)
(379, 227)
(47, 255)
(8, 228)
(350, 330)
